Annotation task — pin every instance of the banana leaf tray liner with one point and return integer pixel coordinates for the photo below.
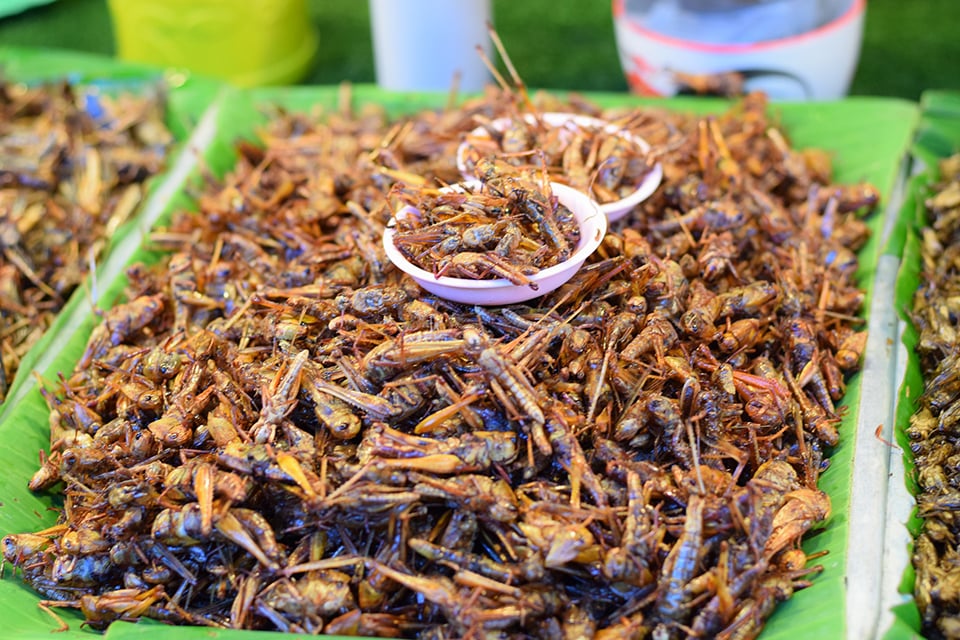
(937, 136)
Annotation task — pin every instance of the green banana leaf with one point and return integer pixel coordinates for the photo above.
(11, 7)
(867, 136)
(938, 136)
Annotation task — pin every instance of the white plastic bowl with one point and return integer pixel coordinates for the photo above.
(593, 226)
(570, 121)
(816, 64)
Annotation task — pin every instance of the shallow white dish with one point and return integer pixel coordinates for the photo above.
(569, 122)
(593, 226)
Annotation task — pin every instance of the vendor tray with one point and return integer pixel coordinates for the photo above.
(867, 137)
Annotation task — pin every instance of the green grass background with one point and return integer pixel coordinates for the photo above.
(909, 45)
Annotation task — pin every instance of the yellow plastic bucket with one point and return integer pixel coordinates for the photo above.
(246, 42)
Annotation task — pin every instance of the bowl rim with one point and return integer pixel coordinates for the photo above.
(586, 247)
(615, 209)
(621, 16)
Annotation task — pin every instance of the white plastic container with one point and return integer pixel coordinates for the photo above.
(593, 226)
(569, 122)
(790, 49)
(419, 45)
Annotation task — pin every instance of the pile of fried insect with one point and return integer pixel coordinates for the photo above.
(278, 430)
(73, 165)
(933, 428)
